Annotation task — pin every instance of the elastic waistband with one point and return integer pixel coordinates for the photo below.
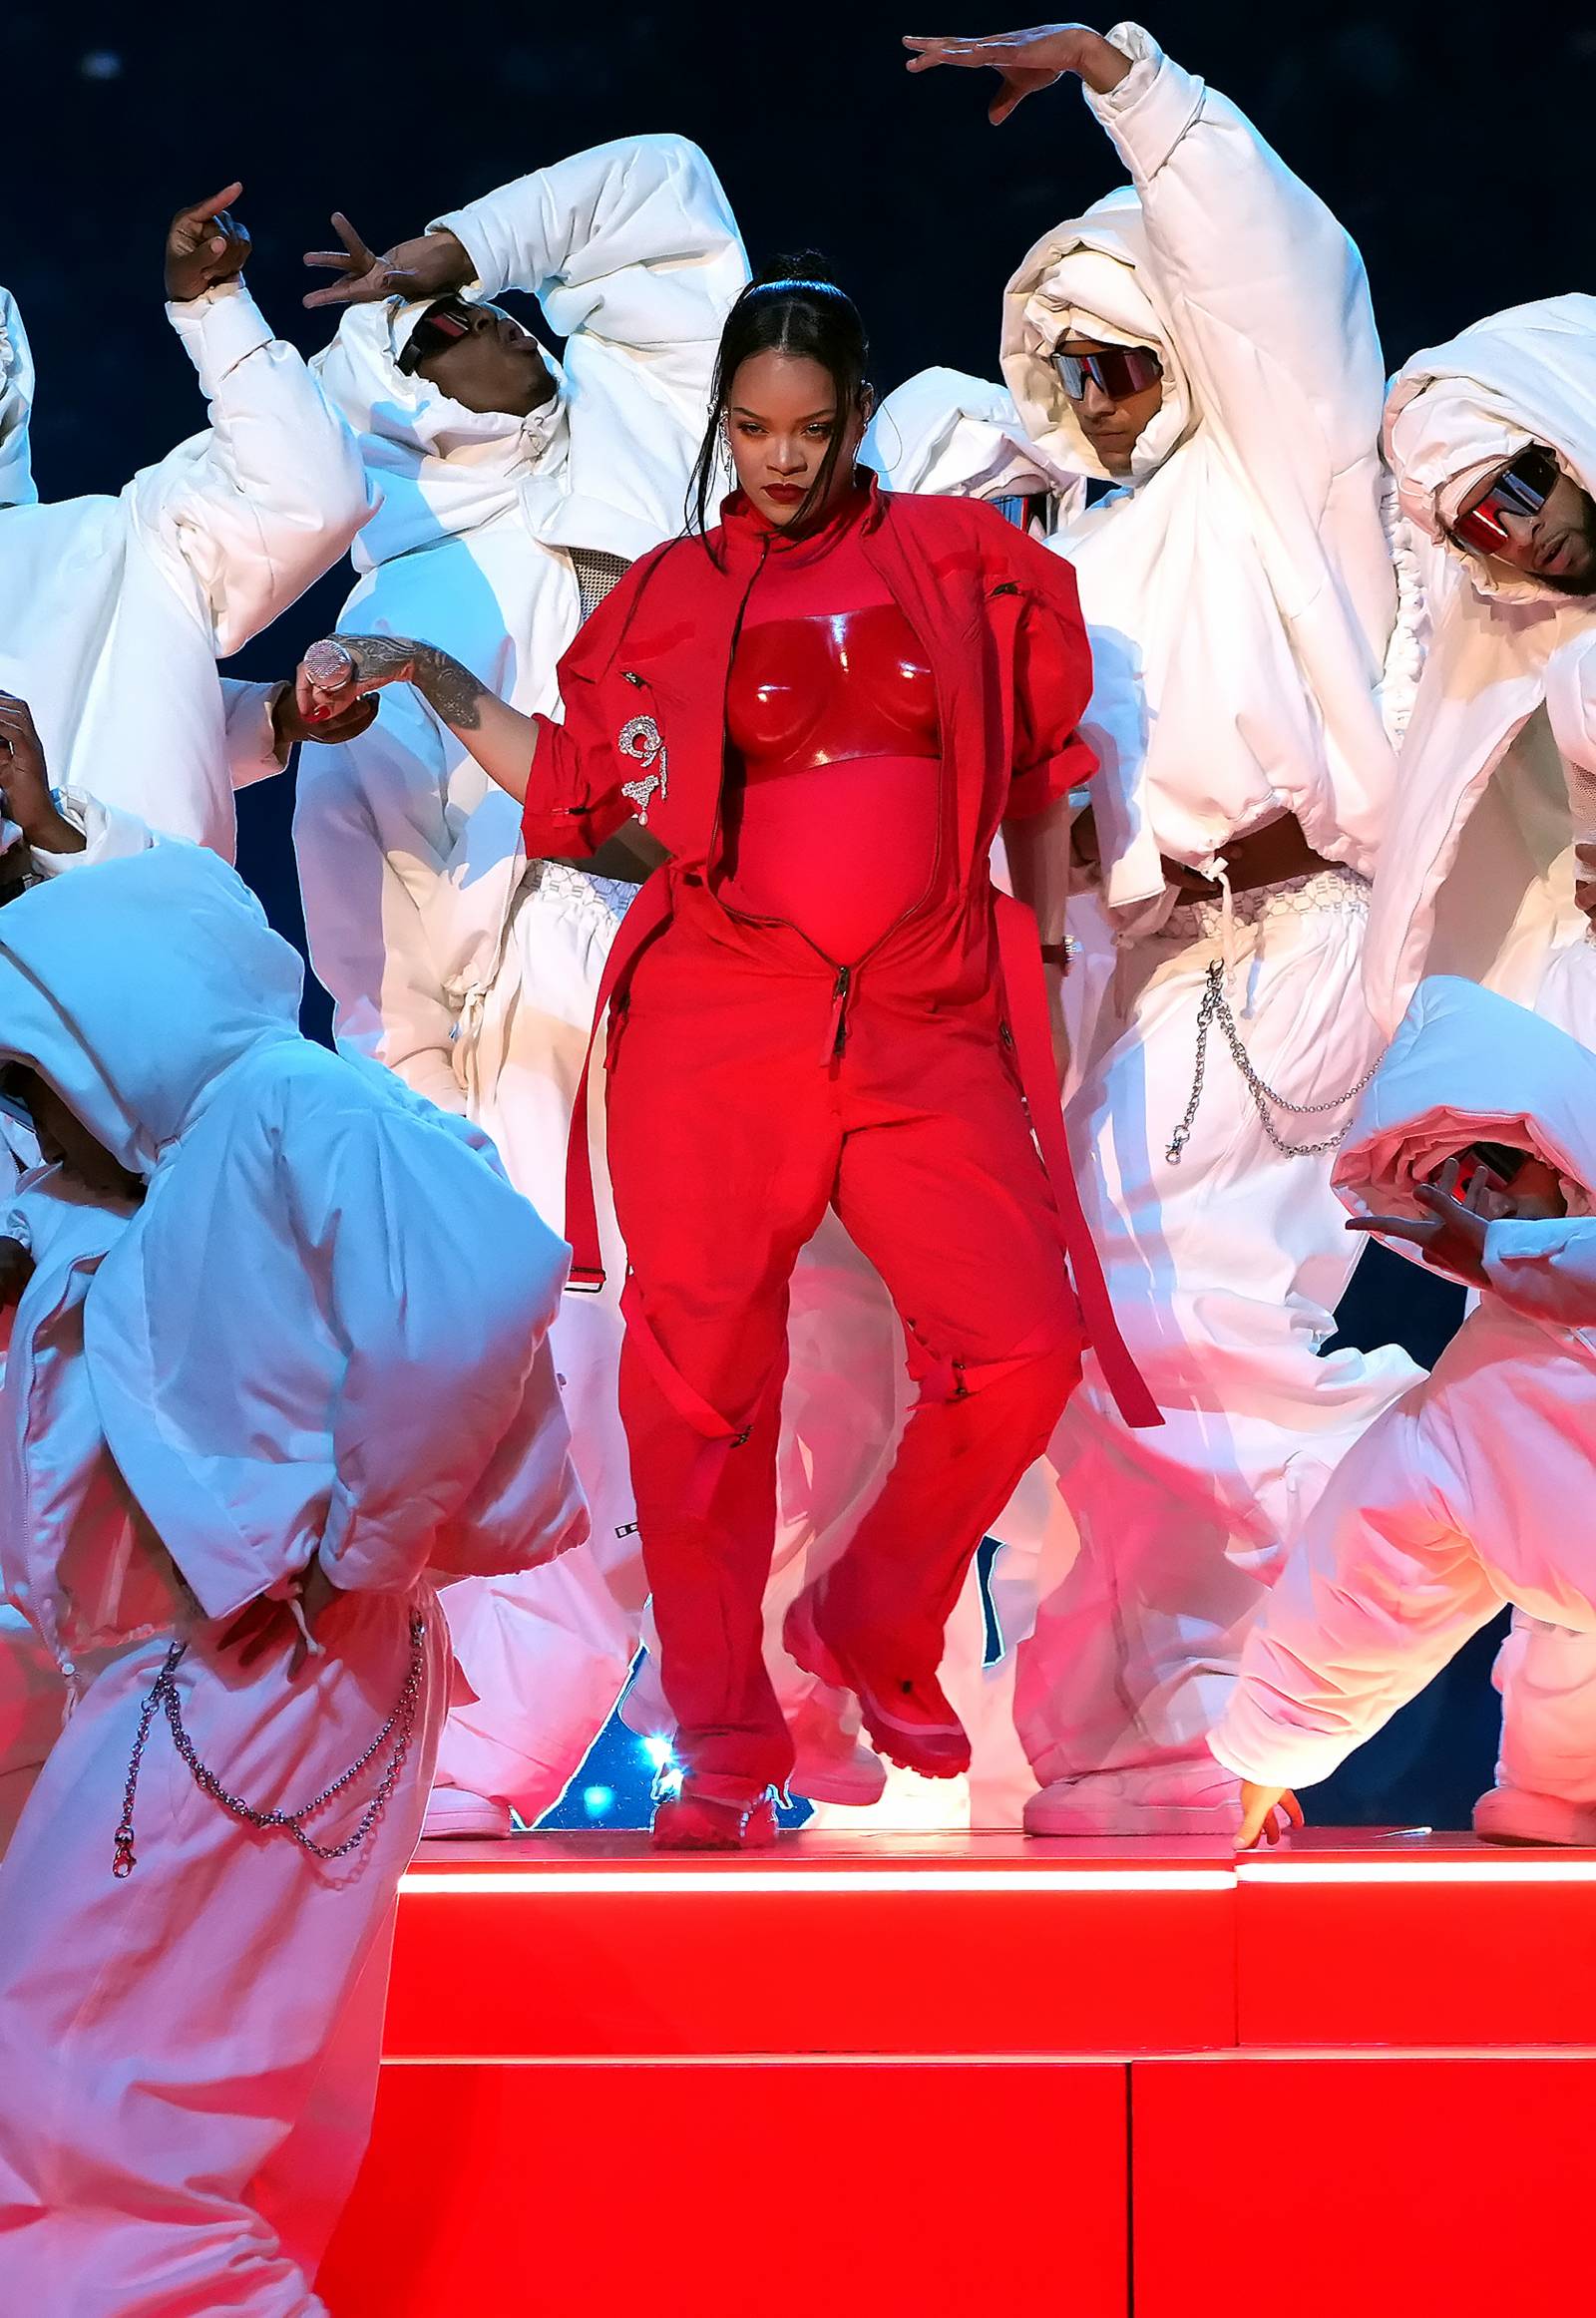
(1321, 890)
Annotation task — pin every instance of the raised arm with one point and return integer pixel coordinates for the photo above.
(343, 668)
(245, 518)
(632, 243)
(1261, 283)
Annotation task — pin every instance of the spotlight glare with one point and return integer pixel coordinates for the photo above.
(596, 1800)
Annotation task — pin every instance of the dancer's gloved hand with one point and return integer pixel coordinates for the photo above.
(25, 791)
(16, 1269)
(205, 246)
(1025, 60)
(426, 267)
(1266, 1814)
(289, 723)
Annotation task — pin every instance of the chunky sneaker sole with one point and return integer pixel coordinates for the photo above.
(932, 1746)
(1513, 1815)
(453, 1815)
(696, 1822)
(1110, 1805)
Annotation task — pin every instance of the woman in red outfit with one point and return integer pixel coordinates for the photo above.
(822, 710)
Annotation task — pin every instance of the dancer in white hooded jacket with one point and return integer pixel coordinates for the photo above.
(351, 1383)
(1474, 1491)
(1202, 339)
(1489, 872)
(115, 611)
(515, 491)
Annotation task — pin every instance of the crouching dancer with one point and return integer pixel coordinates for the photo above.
(282, 1352)
(1474, 1491)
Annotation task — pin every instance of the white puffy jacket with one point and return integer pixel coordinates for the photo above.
(113, 611)
(1240, 592)
(1498, 763)
(410, 859)
(324, 1329)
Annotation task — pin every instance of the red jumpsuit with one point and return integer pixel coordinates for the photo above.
(825, 733)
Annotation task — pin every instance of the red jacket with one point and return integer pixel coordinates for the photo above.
(998, 618)
(644, 691)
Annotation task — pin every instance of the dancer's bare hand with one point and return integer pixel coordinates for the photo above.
(426, 267)
(1450, 1236)
(289, 724)
(205, 245)
(1586, 880)
(25, 789)
(16, 1269)
(1024, 61)
(1266, 1814)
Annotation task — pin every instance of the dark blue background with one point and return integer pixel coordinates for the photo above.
(1456, 144)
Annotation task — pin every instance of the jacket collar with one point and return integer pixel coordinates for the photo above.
(744, 530)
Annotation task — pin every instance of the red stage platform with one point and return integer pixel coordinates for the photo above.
(951, 2077)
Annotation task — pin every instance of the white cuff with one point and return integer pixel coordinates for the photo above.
(1152, 106)
(220, 329)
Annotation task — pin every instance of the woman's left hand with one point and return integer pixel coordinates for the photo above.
(1266, 1814)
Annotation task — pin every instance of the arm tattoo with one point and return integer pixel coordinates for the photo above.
(452, 690)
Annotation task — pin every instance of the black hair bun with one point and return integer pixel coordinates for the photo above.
(798, 266)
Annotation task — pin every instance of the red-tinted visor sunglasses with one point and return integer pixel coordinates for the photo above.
(445, 322)
(1520, 490)
(1119, 371)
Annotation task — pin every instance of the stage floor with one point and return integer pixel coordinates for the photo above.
(974, 2074)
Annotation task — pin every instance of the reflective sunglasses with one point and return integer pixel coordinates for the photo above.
(445, 322)
(1120, 371)
(1520, 490)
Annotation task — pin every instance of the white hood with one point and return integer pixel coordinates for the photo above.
(1468, 1066)
(133, 986)
(1457, 412)
(324, 1331)
(947, 433)
(443, 471)
(16, 407)
(1089, 278)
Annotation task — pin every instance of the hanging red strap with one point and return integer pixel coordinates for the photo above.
(643, 920)
(1026, 994)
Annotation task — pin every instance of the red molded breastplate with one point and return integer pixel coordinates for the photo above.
(818, 691)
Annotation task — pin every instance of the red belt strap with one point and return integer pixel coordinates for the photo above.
(1026, 992)
(643, 920)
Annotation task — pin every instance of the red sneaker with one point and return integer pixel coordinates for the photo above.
(910, 1721)
(694, 1821)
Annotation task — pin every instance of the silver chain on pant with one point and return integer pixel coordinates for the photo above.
(164, 1697)
(1216, 1007)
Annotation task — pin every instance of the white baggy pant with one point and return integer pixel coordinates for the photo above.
(548, 1651)
(1474, 1492)
(1546, 1675)
(164, 2038)
(1225, 1270)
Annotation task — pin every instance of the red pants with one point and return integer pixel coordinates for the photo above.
(732, 1124)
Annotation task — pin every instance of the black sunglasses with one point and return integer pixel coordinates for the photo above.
(445, 322)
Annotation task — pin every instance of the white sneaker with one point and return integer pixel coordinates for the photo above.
(1171, 1799)
(1512, 1814)
(451, 1812)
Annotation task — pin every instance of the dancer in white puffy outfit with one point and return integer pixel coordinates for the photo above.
(115, 611)
(1203, 339)
(113, 614)
(1489, 869)
(1475, 1491)
(515, 491)
(337, 1310)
